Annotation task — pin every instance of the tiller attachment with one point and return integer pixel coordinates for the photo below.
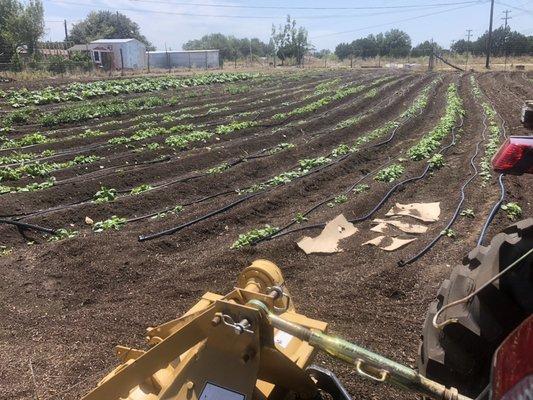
(223, 348)
(249, 344)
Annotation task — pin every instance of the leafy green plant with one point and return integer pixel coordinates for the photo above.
(112, 223)
(436, 162)
(63, 234)
(281, 147)
(181, 141)
(251, 237)
(105, 195)
(218, 169)
(449, 233)
(390, 173)
(235, 126)
(468, 212)
(5, 251)
(340, 199)
(299, 218)
(360, 188)
(431, 141)
(141, 188)
(513, 211)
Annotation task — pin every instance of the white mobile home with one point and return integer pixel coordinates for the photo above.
(183, 59)
(118, 53)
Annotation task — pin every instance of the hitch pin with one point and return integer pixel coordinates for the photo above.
(367, 364)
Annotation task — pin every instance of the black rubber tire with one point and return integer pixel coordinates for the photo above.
(460, 355)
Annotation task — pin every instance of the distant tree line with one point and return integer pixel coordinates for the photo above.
(396, 43)
(230, 48)
(504, 41)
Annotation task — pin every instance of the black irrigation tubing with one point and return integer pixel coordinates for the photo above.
(171, 231)
(402, 263)
(309, 211)
(167, 209)
(383, 200)
(497, 205)
(228, 206)
(23, 226)
(493, 211)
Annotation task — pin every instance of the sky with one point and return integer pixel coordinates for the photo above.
(171, 23)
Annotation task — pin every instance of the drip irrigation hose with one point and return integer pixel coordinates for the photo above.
(383, 200)
(171, 231)
(493, 212)
(402, 263)
(23, 226)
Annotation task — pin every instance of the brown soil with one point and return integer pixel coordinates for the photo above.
(64, 305)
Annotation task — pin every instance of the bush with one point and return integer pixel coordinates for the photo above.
(57, 65)
(16, 63)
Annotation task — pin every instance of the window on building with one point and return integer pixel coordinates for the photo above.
(97, 56)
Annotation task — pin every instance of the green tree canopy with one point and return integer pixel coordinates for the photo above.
(21, 24)
(504, 40)
(425, 48)
(290, 41)
(230, 47)
(394, 43)
(106, 25)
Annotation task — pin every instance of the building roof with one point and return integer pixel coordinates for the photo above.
(78, 47)
(181, 51)
(113, 40)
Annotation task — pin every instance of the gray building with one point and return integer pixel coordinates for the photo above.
(107, 53)
(183, 59)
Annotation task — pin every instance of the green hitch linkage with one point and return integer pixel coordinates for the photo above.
(367, 364)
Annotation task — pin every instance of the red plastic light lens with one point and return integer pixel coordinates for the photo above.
(512, 366)
(515, 156)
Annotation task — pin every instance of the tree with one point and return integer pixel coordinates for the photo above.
(288, 41)
(397, 43)
(20, 25)
(504, 41)
(230, 47)
(106, 25)
(425, 49)
(343, 51)
(365, 47)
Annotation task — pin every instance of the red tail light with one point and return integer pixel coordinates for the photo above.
(512, 366)
(515, 156)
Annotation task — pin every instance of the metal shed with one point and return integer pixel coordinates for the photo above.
(184, 59)
(107, 53)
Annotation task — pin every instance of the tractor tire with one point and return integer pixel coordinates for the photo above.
(460, 354)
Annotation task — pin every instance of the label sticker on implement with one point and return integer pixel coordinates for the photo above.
(214, 392)
(282, 338)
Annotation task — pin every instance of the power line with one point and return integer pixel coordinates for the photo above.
(271, 17)
(309, 8)
(392, 22)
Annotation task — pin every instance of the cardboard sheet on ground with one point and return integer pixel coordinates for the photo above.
(427, 212)
(406, 227)
(393, 243)
(328, 240)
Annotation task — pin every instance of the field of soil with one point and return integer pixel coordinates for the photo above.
(65, 304)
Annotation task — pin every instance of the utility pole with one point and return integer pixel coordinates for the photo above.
(250, 52)
(489, 39)
(507, 17)
(66, 31)
(468, 36)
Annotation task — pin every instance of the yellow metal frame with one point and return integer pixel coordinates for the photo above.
(200, 348)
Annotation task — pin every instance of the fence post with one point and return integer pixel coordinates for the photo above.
(168, 59)
(190, 65)
(148, 60)
(206, 60)
(121, 63)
